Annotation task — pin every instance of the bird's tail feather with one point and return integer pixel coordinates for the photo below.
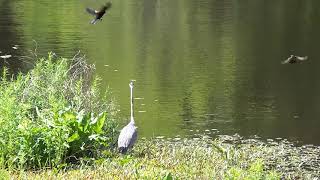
(94, 21)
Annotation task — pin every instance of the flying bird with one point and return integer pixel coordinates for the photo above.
(292, 59)
(128, 134)
(98, 13)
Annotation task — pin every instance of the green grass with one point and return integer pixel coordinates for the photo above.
(194, 159)
(154, 159)
(53, 115)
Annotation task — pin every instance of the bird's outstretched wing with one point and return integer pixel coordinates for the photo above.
(91, 11)
(286, 61)
(106, 6)
(302, 58)
(290, 59)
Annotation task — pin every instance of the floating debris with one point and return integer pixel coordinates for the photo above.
(6, 56)
(15, 47)
(142, 111)
(256, 137)
(191, 130)
(160, 137)
(138, 98)
(308, 146)
(116, 70)
(156, 100)
(143, 104)
(207, 130)
(177, 139)
(106, 65)
(214, 129)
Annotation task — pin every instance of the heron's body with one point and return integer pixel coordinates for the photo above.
(128, 134)
(127, 137)
(98, 14)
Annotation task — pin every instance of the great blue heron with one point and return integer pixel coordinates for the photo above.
(292, 59)
(128, 134)
(98, 14)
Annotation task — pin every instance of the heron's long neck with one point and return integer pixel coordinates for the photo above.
(131, 103)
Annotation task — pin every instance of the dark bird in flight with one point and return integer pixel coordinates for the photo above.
(98, 13)
(292, 59)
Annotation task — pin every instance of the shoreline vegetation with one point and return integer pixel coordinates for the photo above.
(56, 125)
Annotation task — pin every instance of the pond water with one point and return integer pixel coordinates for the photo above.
(198, 65)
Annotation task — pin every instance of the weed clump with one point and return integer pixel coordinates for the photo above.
(53, 114)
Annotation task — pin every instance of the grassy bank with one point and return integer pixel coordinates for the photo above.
(55, 124)
(202, 158)
(154, 159)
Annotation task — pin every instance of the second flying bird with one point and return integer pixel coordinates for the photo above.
(98, 13)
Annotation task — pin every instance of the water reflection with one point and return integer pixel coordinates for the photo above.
(199, 65)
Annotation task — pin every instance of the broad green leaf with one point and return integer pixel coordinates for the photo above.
(99, 123)
(69, 116)
(84, 123)
(75, 136)
(168, 176)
